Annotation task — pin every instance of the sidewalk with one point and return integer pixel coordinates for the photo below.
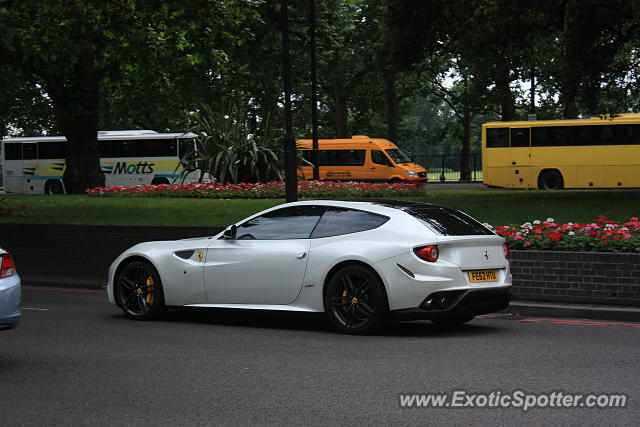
(576, 311)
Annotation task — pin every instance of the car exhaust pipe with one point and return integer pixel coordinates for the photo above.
(444, 302)
(428, 303)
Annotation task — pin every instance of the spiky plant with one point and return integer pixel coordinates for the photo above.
(228, 149)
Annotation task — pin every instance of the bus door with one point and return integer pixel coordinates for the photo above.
(20, 166)
(381, 167)
(520, 158)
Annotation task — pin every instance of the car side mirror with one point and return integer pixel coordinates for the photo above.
(230, 233)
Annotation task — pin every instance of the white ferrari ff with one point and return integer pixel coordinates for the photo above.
(361, 263)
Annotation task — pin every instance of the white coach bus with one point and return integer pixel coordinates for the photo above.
(128, 157)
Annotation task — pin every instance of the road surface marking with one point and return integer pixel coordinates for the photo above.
(577, 322)
(35, 309)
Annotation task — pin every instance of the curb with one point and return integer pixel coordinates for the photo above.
(579, 311)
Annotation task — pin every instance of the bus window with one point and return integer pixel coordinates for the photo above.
(378, 157)
(13, 151)
(584, 135)
(605, 135)
(186, 146)
(139, 148)
(553, 136)
(30, 151)
(497, 137)
(398, 156)
(626, 134)
(52, 149)
(341, 157)
(520, 137)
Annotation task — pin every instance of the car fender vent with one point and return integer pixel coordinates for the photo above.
(184, 254)
(406, 271)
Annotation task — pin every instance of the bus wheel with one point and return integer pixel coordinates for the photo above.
(550, 180)
(53, 186)
(395, 180)
(159, 181)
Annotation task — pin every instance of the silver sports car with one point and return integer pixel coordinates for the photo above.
(361, 263)
(10, 295)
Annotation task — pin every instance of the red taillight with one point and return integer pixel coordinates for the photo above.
(428, 253)
(506, 250)
(8, 268)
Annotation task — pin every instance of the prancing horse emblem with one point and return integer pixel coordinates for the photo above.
(486, 254)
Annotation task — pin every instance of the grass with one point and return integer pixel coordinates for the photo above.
(498, 207)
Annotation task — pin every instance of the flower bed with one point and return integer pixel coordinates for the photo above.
(601, 235)
(266, 190)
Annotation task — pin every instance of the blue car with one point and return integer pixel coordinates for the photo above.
(10, 295)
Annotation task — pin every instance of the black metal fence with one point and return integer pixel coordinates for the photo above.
(446, 167)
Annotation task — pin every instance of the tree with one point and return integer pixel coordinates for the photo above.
(593, 33)
(75, 46)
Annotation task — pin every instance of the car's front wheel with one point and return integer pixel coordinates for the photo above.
(139, 291)
(355, 300)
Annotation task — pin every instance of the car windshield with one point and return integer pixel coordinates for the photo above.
(398, 156)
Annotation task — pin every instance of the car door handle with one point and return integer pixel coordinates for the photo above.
(302, 255)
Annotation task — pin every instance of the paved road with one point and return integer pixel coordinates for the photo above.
(75, 360)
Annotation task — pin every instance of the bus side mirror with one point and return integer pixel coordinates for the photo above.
(230, 233)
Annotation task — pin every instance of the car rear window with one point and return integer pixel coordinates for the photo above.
(336, 221)
(448, 222)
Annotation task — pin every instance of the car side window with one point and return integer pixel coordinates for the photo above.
(295, 222)
(380, 158)
(336, 221)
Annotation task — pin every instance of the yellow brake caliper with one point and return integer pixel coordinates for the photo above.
(150, 287)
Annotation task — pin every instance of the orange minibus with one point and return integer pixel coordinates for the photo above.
(360, 158)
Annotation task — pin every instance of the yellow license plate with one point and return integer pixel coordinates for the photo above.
(483, 276)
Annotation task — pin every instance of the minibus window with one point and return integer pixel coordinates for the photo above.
(379, 158)
(398, 156)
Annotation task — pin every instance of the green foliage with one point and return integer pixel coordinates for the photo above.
(134, 64)
(230, 149)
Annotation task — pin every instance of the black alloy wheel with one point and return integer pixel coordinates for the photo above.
(355, 300)
(139, 291)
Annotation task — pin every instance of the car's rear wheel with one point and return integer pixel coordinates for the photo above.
(355, 300)
(454, 321)
(139, 291)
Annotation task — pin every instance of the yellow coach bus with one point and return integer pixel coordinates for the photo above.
(601, 152)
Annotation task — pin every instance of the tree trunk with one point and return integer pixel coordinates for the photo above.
(465, 153)
(569, 60)
(76, 112)
(342, 125)
(568, 100)
(505, 96)
(392, 103)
